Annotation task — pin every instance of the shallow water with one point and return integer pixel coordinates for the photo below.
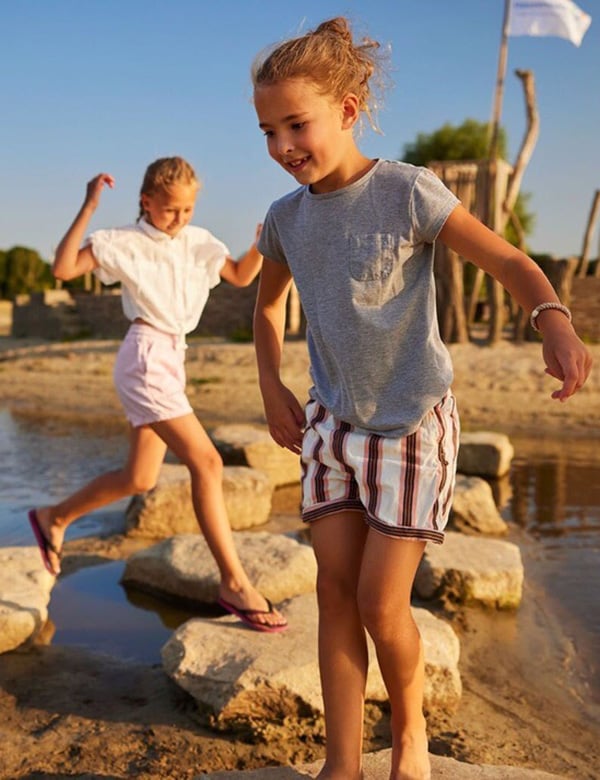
(556, 500)
(551, 498)
(554, 511)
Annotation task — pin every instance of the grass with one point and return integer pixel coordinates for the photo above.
(204, 380)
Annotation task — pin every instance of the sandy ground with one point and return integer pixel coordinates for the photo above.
(501, 388)
(68, 713)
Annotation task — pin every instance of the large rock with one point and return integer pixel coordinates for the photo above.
(183, 567)
(474, 510)
(240, 674)
(246, 445)
(25, 590)
(376, 766)
(472, 570)
(168, 509)
(485, 454)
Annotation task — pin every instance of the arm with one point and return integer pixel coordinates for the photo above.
(69, 260)
(245, 270)
(284, 413)
(565, 356)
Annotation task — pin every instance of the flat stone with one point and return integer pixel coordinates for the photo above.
(182, 567)
(167, 509)
(247, 445)
(474, 509)
(376, 767)
(241, 674)
(472, 570)
(25, 590)
(484, 454)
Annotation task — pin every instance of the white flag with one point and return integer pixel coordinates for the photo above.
(549, 17)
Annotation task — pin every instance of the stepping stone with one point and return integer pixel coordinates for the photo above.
(485, 454)
(167, 509)
(24, 595)
(474, 510)
(472, 570)
(376, 767)
(241, 674)
(182, 567)
(247, 445)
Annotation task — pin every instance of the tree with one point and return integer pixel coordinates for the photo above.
(22, 270)
(469, 141)
(2, 271)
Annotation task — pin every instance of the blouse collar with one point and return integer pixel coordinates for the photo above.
(154, 233)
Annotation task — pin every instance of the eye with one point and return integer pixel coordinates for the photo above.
(268, 133)
(298, 125)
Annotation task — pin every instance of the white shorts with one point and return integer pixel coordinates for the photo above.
(149, 376)
(403, 486)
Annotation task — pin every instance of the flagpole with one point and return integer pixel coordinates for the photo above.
(501, 73)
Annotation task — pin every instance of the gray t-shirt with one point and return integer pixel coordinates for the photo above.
(362, 260)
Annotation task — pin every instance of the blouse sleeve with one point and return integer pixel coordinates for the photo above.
(210, 252)
(106, 251)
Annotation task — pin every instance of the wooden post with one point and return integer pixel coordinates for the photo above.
(500, 76)
(495, 294)
(587, 240)
(459, 177)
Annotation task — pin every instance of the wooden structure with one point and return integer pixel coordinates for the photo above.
(481, 186)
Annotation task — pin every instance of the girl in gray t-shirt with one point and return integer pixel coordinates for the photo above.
(379, 433)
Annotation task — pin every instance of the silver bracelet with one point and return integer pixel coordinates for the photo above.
(542, 307)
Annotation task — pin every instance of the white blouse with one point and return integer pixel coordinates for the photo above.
(165, 280)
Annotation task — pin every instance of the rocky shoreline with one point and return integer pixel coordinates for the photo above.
(64, 708)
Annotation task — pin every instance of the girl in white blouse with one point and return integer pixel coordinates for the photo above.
(166, 268)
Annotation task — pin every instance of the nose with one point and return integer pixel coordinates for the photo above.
(284, 144)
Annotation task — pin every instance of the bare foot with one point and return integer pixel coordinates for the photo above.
(412, 763)
(333, 774)
(54, 533)
(251, 607)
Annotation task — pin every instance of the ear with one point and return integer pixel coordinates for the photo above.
(144, 201)
(350, 111)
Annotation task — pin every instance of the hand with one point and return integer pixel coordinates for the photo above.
(567, 360)
(95, 186)
(285, 418)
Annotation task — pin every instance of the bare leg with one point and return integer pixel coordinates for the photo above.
(388, 570)
(338, 542)
(146, 454)
(186, 437)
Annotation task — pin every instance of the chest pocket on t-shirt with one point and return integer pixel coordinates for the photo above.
(376, 263)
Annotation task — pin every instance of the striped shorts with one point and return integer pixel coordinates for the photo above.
(403, 486)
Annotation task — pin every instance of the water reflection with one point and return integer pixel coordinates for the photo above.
(556, 493)
(43, 461)
(91, 609)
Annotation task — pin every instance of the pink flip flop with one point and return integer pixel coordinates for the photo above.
(44, 544)
(246, 616)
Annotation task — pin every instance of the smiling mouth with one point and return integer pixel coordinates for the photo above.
(295, 164)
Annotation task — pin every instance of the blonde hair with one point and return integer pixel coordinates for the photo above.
(330, 58)
(163, 174)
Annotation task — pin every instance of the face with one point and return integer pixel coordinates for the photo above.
(170, 210)
(309, 134)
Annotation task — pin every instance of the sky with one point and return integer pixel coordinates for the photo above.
(110, 85)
